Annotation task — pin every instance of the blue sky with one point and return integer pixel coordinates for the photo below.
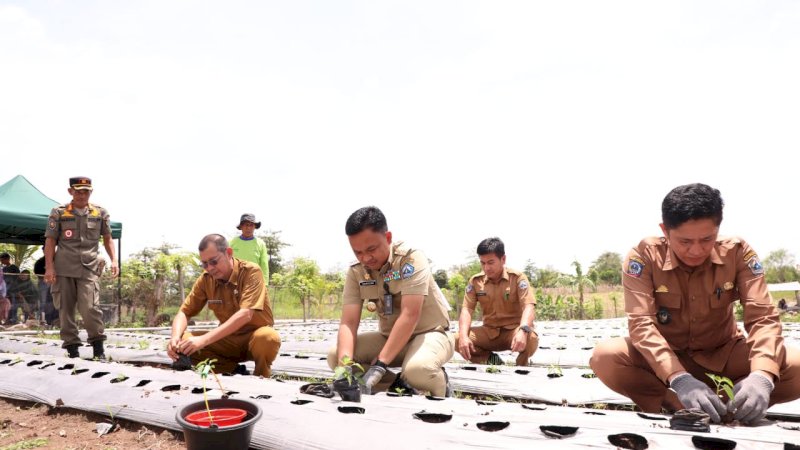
(558, 126)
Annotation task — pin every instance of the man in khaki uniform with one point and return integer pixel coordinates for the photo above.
(507, 302)
(234, 291)
(679, 295)
(73, 266)
(396, 281)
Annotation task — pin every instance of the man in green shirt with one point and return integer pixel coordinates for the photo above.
(248, 247)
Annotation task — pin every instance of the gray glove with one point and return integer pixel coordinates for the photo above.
(693, 393)
(751, 397)
(373, 376)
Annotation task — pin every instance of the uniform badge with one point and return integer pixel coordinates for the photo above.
(727, 286)
(507, 294)
(390, 276)
(663, 315)
(68, 234)
(635, 267)
(523, 285)
(749, 255)
(755, 266)
(469, 288)
(407, 270)
(367, 283)
(372, 305)
(51, 224)
(662, 288)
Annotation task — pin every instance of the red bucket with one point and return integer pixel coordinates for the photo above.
(222, 417)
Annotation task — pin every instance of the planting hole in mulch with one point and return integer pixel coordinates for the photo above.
(558, 432)
(79, 371)
(485, 402)
(301, 402)
(171, 387)
(99, 374)
(436, 399)
(142, 383)
(5, 361)
(589, 375)
(261, 397)
(432, 417)
(542, 347)
(628, 441)
(469, 368)
(788, 446)
(67, 367)
(709, 443)
(534, 407)
(594, 413)
(45, 366)
(199, 390)
(492, 426)
(555, 375)
(35, 362)
(119, 378)
(301, 356)
(650, 417)
(285, 354)
(522, 371)
(351, 410)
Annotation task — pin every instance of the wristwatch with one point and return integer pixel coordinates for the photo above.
(526, 329)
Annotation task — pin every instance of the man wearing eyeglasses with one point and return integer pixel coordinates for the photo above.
(234, 291)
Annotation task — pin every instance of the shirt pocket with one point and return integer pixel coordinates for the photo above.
(69, 230)
(369, 292)
(668, 300)
(93, 229)
(723, 300)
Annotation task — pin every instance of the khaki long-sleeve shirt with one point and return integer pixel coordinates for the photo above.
(676, 309)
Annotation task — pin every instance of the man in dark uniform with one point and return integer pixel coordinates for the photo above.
(73, 265)
(11, 275)
(507, 302)
(679, 295)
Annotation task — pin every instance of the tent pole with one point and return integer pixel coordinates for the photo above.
(119, 280)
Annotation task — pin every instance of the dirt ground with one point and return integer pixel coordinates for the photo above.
(27, 426)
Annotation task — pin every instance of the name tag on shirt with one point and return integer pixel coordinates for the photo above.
(368, 283)
(214, 302)
(481, 293)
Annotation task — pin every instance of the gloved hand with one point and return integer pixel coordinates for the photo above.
(751, 397)
(373, 376)
(693, 393)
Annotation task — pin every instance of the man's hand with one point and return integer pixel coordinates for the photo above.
(520, 341)
(191, 345)
(373, 376)
(114, 269)
(693, 393)
(751, 398)
(465, 347)
(50, 275)
(172, 348)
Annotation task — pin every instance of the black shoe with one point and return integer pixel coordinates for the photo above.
(72, 350)
(448, 388)
(240, 370)
(494, 360)
(183, 363)
(97, 349)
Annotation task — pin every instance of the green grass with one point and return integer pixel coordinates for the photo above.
(30, 443)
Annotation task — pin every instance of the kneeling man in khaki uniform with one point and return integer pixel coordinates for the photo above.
(507, 302)
(234, 290)
(413, 321)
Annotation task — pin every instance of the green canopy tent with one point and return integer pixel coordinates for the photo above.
(24, 211)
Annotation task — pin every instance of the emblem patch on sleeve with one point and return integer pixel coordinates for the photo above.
(635, 267)
(523, 285)
(755, 266)
(469, 288)
(52, 224)
(407, 270)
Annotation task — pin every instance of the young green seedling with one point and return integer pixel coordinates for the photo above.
(204, 368)
(345, 370)
(723, 384)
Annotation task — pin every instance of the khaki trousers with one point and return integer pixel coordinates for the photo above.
(623, 369)
(70, 293)
(421, 360)
(261, 346)
(489, 339)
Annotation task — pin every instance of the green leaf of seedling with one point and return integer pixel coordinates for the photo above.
(728, 391)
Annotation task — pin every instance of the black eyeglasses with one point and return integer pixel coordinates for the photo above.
(211, 262)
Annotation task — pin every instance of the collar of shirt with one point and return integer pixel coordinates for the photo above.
(502, 277)
(670, 257)
(247, 238)
(234, 278)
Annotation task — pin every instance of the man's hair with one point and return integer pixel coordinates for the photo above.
(691, 202)
(368, 217)
(492, 245)
(5, 255)
(216, 239)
